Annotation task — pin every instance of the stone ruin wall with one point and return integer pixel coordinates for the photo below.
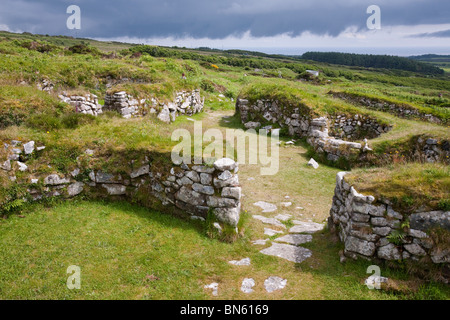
(185, 103)
(87, 104)
(326, 135)
(401, 110)
(315, 130)
(367, 226)
(193, 189)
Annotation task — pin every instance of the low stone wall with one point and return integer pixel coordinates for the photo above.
(370, 228)
(185, 103)
(316, 130)
(403, 110)
(87, 104)
(189, 189)
(357, 127)
(432, 150)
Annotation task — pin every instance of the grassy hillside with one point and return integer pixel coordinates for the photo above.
(131, 241)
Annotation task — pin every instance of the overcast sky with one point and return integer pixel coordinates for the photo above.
(286, 26)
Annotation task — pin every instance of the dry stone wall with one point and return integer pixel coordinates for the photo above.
(185, 103)
(401, 110)
(315, 129)
(192, 189)
(86, 104)
(370, 228)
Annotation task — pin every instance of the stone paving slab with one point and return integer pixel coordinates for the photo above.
(306, 227)
(283, 217)
(270, 232)
(243, 262)
(274, 283)
(214, 286)
(288, 252)
(295, 239)
(267, 207)
(272, 221)
(247, 285)
(260, 242)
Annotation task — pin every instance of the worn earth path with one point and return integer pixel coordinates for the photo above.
(286, 208)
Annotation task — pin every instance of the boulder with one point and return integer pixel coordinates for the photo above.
(313, 163)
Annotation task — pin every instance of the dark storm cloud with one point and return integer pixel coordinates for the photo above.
(214, 19)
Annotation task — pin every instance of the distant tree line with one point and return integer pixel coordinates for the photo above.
(372, 61)
(225, 58)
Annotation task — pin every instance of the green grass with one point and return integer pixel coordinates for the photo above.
(410, 187)
(128, 252)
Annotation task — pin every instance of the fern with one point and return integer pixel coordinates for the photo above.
(13, 205)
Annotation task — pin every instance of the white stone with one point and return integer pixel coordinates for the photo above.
(295, 239)
(274, 283)
(375, 281)
(243, 262)
(288, 252)
(28, 148)
(267, 207)
(22, 166)
(283, 217)
(272, 221)
(214, 286)
(313, 163)
(6, 165)
(270, 232)
(218, 227)
(260, 242)
(247, 285)
(305, 227)
(225, 164)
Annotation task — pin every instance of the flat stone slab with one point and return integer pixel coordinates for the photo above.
(267, 207)
(247, 285)
(260, 242)
(288, 252)
(306, 227)
(286, 204)
(272, 221)
(243, 262)
(274, 283)
(295, 239)
(214, 286)
(283, 217)
(270, 232)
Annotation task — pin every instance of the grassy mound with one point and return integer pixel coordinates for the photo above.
(410, 187)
